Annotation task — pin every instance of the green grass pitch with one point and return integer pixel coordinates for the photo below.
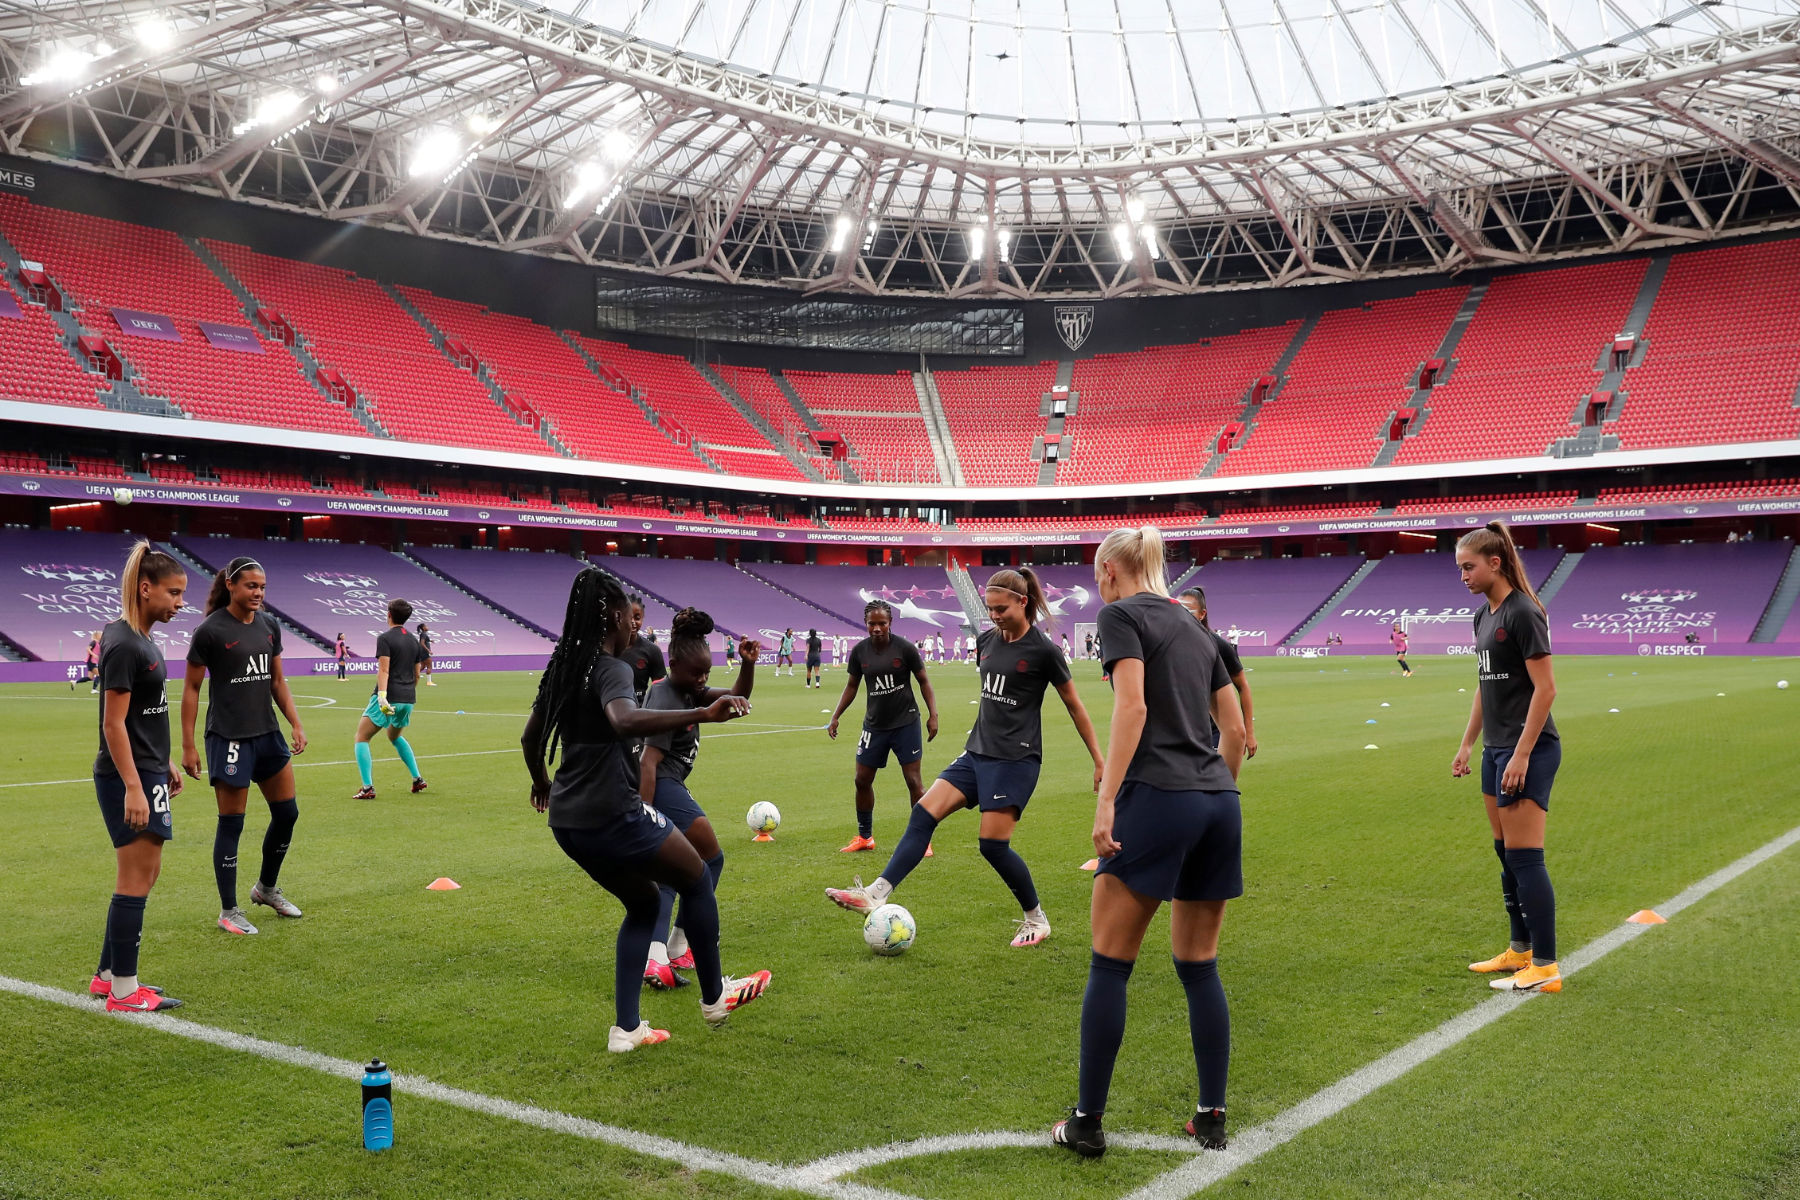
(1666, 1070)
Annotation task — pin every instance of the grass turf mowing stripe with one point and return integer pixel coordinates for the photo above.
(1252, 1144)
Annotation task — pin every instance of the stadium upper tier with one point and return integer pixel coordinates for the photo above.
(1693, 348)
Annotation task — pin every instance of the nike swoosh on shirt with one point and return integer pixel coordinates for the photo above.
(229, 645)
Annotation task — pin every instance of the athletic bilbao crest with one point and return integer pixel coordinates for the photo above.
(1074, 322)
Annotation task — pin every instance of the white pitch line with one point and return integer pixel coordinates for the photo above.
(837, 1166)
(693, 1158)
(1252, 1144)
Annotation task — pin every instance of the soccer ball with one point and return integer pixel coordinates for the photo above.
(122, 495)
(763, 817)
(889, 930)
(1782, 685)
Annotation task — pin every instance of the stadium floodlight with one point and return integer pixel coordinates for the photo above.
(1134, 207)
(274, 109)
(1003, 244)
(1149, 233)
(482, 123)
(64, 65)
(840, 233)
(1122, 239)
(436, 154)
(325, 83)
(154, 32)
(977, 238)
(616, 145)
(590, 177)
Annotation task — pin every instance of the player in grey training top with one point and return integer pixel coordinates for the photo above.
(1520, 750)
(397, 658)
(889, 663)
(239, 646)
(1194, 600)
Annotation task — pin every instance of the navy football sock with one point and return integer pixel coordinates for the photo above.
(124, 930)
(1509, 892)
(865, 822)
(1536, 897)
(1209, 1024)
(283, 816)
(715, 867)
(1011, 868)
(1102, 1030)
(630, 952)
(700, 917)
(106, 944)
(663, 913)
(913, 844)
(225, 856)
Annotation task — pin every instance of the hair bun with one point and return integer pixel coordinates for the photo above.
(691, 623)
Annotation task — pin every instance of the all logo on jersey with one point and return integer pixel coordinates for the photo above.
(993, 685)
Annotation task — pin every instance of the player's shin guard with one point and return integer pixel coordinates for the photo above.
(124, 930)
(700, 917)
(1209, 1023)
(1509, 892)
(412, 764)
(1012, 869)
(630, 951)
(913, 844)
(365, 765)
(225, 856)
(1102, 1030)
(1536, 897)
(283, 815)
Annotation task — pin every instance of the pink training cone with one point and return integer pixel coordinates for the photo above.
(443, 883)
(1645, 916)
(1092, 864)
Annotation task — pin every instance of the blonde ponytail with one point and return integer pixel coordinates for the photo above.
(145, 564)
(1139, 553)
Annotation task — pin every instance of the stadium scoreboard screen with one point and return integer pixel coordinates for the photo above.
(714, 314)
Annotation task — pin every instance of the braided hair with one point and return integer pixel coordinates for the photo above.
(595, 599)
(878, 606)
(687, 635)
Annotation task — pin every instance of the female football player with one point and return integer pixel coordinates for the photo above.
(998, 768)
(889, 663)
(134, 776)
(585, 705)
(1397, 638)
(665, 763)
(397, 657)
(1194, 600)
(1167, 827)
(239, 645)
(1520, 749)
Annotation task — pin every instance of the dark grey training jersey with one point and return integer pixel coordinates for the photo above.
(1504, 638)
(1014, 676)
(645, 658)
(596, 777)
(889, 675)
(679, 746)
(240, 662)
(131, 662)
(403, 652)
(1228, 653)
(1182, 670)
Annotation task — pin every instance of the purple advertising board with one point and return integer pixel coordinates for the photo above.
(200, 495)
(146, 325)
(231, 337)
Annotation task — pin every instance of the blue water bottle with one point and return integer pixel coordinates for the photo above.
(378, 1106)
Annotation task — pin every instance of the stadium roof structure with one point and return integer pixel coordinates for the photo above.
(946, 148)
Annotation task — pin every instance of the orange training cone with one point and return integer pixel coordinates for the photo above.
(1645, 916)
(763, 837)
(1092, 864)
(443, 883)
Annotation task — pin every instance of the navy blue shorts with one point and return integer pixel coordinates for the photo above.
(907, 743)
(993, 784)
(623, 846)
(240, 763)
(1177, 845)
(1540, 776)
(674, 801)
(111, 791)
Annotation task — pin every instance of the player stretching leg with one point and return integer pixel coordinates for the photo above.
(666, 761)
(998, 768)
(1167, 827)
(891, 717)
(1520, 749)
(584, 702)
(397, 657)
(239, 645)
(134, 777)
